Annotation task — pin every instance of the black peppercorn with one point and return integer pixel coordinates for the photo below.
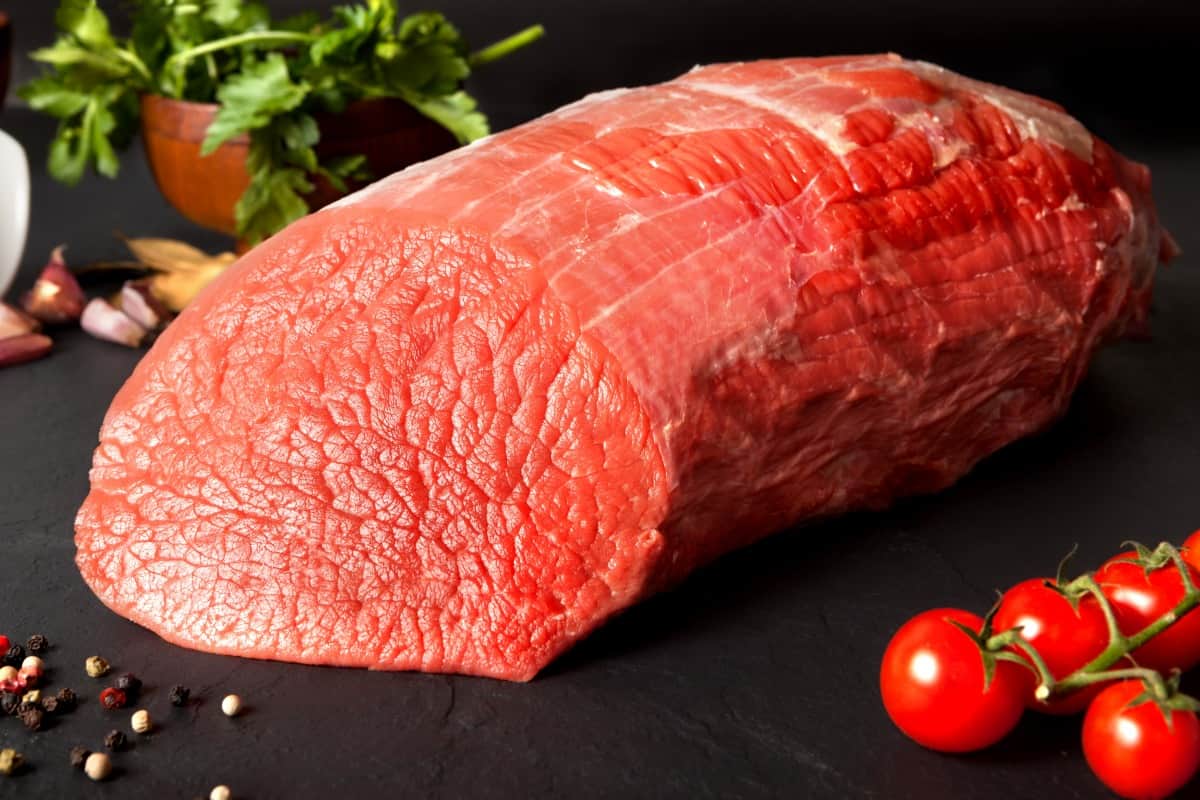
(33, 717)
(38, 644)
(115, 740)
(79, 756)
(9, 702)
(66, 699)
(14, 656)
(24, 706)
(50, 705)
(130, 684)
(180, 695)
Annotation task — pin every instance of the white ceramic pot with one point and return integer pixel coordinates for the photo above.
(14, 208)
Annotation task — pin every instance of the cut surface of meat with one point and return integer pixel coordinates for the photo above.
(457, 420)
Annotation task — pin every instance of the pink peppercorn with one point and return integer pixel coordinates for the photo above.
(112, 698)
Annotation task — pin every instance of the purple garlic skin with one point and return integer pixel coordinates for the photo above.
(22, 348)
(103, 321)
(15, 322)
(56, 297)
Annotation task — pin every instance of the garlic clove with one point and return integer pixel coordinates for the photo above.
(103, 321)
(56, 297)
(14, 322)
(22, 348)
(139, 304)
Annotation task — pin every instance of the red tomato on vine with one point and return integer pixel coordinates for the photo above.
(933, 684)
(1139, 598)
(1134, 750)
(1067, 637)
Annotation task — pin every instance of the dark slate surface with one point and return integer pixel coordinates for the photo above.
(755, 678)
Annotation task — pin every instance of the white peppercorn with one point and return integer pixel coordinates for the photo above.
(98, 766)
(141, 722)
(231, 706)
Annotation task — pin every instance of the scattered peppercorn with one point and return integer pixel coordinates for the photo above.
(180, 695)
(98, 766)
(112, 698)
(9, 673)
(50, 705)
(79, 756)
(130, 684)
(33, 696)
(9, 702)
(96, 667)
(141, 722)
(38, 644)
(33, 662)
(4, 643)
(115, 740)
(231, 706)
(220, 793)
(14, 656)
(23, 707)
(10, 761)
(30, 676)
(67, 699)
(32, 718)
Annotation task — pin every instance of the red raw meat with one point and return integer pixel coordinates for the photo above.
(456, 421)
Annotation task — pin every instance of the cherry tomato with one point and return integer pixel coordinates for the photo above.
(1066, 638)
(1191, 550)
(1139, 599)
(1133, 750)
(932, 681)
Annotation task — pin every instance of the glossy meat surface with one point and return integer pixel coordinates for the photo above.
(457, 420)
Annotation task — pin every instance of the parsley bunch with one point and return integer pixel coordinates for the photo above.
(269, 79)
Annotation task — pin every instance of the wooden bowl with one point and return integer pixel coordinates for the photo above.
(205, 189)
(5, 56)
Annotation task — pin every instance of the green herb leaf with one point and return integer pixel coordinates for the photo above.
(84, 20)
(345, 168)
(103, 124)
(53, 96)
(298, 135)
(252, 98)
(455, 112)
(64, 54)
(223, 12)
(68, 155)
(274, 198)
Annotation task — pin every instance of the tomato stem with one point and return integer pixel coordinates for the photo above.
(1014, 638)
(1080, 679)
(1119, 645)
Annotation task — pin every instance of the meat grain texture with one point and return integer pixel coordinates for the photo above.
(459, 419)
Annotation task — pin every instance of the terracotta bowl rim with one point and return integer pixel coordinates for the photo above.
(162, 98)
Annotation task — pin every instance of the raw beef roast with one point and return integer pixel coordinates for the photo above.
(459, 419)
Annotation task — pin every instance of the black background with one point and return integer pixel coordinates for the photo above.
(758, 676)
